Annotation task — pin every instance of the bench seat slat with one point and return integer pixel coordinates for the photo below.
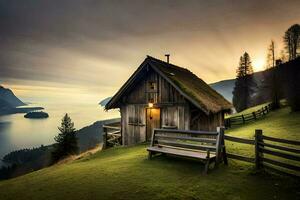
(187, 145)
(186, 132)
(197, 139)
(182, 148)
(180, 152)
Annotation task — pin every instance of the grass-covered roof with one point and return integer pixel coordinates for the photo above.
(192, 86)
(188, 84)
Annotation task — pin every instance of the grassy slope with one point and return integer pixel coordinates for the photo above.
(247, 111)
(281, 124)
(125, 173)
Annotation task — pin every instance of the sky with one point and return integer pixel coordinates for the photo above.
(84, 50)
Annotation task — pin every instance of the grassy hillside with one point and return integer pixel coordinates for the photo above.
(281, 124)
(125, 173)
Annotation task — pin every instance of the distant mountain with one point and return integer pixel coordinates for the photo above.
(91, 136)
(225, 88)
(9, 103)
(5, 105)
(8, 99)
(105, 101)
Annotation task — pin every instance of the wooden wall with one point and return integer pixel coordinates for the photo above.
(175, 110)
(201, 121)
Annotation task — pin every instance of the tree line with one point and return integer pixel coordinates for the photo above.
(245, 83)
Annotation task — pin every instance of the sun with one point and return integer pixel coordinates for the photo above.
(258, 64)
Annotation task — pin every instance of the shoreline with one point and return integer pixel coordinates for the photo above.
(88, 137)
(19, 110)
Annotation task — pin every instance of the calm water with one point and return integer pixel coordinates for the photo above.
(17, 132)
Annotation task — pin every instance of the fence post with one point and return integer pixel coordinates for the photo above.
(263, 110)
(254, 115)
(258, 154)
(104, 138)
(267, 109)
(224, 155)
(219, 144)
(227, 123)
(243, 119)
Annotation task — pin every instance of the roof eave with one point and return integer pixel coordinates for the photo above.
(116, 97)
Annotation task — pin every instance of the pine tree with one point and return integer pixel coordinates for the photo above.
(66, 141)
(243, 84)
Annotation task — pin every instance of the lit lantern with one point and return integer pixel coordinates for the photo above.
(150, 105)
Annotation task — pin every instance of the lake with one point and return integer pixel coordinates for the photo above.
(17, 132)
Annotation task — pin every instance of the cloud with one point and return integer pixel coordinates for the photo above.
(98, 44)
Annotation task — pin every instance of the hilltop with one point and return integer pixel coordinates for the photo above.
(125, 173)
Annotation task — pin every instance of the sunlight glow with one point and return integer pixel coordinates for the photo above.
(258, 64)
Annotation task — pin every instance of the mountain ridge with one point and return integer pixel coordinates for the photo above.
(8, 97)
(9, 103)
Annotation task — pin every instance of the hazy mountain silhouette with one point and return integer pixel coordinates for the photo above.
(104, 101)
(225, 88)
(8, 99)
(9, 103)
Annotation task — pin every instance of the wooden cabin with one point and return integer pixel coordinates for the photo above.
(162, 95)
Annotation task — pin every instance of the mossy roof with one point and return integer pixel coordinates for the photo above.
(188, 84)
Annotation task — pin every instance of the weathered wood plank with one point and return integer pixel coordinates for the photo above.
(186, 145)
(204, 140)
(179, 152)
(239, 157)
(281, 164)
(280, 154)
(240, 140)
(293, 142)
(293, 150)
(271, 168)
(186, 131)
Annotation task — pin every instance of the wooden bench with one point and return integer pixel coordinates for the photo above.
(202, 145)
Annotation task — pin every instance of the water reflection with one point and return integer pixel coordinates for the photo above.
(17, 132)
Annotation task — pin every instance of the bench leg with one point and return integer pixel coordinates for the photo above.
(149, 155)
(206, 166)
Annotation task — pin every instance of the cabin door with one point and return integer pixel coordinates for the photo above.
(153, 121)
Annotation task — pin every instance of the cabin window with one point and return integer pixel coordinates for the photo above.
(152, 91)
(152, 86)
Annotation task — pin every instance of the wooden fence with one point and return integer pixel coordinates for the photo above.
(265, 145)
(244, 118)
(111, 135)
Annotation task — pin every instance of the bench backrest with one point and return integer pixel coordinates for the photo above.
(189, 140)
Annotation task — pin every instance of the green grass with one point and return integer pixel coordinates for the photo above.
(248, 111)
(126, 173)
(280, 124)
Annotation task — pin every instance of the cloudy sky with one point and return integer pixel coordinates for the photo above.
(88, 48)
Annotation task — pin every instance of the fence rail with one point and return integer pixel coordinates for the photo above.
(244, 118)
(111, 135)
(239, 140)
(263, 147)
